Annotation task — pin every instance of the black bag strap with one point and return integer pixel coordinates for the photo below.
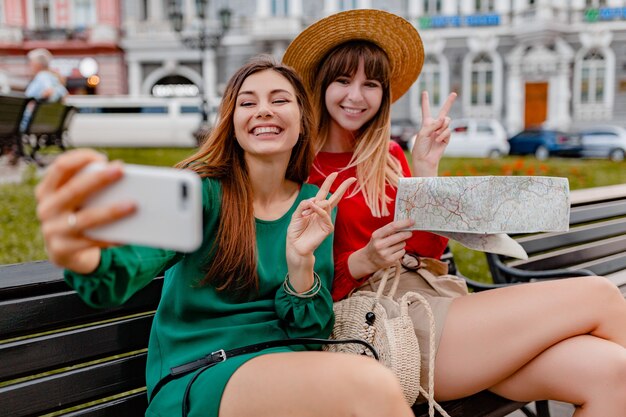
(221, 355)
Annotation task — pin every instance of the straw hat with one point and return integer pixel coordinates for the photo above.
(395, 35)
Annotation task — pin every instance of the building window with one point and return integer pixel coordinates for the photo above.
(430, 80)
(84, 13)
(347, 5)
(280, 8)
(143, 12)
(432, 7)
(594, 4)
(484, 6)
(482, 81)
(42, 13)
(592, 78)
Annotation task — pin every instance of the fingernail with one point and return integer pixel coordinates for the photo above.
(126, 206)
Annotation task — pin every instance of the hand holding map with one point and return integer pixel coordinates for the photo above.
(478, 212)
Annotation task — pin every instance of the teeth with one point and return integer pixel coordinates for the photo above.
(352, 111)
(268, 129)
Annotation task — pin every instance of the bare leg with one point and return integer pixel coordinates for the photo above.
(491, 335)
(584, 370)
(313, 384)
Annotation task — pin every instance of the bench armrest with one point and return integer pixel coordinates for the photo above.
(523, 275)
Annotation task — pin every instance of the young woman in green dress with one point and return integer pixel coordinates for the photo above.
(263, 272)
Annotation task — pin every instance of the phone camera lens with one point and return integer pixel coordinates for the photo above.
(183, 190)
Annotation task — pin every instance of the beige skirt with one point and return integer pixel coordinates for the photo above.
(429, 278)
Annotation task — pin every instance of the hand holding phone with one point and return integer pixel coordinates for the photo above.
(168, 211)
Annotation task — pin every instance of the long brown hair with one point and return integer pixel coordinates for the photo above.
(233, 255)
(375, 166)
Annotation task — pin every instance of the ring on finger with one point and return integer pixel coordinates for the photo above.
(71, 221)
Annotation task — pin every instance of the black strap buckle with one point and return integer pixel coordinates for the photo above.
(218, 356)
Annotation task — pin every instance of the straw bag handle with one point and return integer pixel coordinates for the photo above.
(406, 300)
(383, 281)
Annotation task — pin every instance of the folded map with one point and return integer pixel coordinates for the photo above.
(478, 212)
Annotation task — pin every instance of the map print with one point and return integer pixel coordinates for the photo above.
(479, 211)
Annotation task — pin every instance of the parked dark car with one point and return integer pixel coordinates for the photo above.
(545, 143)
(402, 130)
(604, 142)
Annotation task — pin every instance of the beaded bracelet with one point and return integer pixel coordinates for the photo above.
(317, 285)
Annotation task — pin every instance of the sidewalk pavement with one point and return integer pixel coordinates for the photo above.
(14, 174)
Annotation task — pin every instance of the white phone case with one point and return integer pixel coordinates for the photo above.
(169, 208)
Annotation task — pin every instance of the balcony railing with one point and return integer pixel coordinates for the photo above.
(56, 34)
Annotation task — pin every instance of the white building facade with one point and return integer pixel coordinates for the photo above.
(554, 63)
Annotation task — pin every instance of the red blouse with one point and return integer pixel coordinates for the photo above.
(355, 224)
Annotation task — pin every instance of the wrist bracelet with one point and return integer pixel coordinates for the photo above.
(317, 285)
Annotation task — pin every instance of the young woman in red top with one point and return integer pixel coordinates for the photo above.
(514, 341)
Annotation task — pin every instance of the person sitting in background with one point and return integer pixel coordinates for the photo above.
(46, 85)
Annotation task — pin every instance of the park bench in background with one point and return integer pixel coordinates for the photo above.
(57, 353)
(11, 112)
(48, 126)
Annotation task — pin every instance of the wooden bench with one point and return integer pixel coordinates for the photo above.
(48, 126)
(57, 353)
(594, 245)
(11, 112)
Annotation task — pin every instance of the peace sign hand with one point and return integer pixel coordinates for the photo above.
(432, 139)
(311, 222)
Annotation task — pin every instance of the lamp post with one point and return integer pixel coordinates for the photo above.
(201, 39)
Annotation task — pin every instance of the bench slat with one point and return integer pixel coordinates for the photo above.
(62, 309)
(64, 349)
(573, 256)
(60, 391)
(598, 211)
(131, 406)
(582, 234)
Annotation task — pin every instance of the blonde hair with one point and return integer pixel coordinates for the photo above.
(375, 166)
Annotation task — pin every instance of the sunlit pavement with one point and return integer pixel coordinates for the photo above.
(13, 174)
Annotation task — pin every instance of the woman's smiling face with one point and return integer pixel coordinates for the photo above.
(267, 114)
(353, 100)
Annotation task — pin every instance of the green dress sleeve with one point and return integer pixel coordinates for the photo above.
(311, 316)
(306, 317)
(122, 272)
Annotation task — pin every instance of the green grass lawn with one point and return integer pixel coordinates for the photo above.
(20, 239)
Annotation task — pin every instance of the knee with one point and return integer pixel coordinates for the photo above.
(611, 372)
(375, 388)
(604, 293)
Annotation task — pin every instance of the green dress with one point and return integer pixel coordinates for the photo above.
(192, 321)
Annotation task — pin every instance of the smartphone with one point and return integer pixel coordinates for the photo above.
(168, 208)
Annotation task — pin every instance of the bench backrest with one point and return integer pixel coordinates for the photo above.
(57, 353)
(596, 240)
(11, 112)
(47, 119)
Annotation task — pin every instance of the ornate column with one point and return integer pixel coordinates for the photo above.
(209, 74)
(134, 77)
(515, 92)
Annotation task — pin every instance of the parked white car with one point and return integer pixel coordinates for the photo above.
(477, 138)
(604, 142)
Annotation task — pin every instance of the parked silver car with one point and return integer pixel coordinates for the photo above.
(478, 138)
(604, 142)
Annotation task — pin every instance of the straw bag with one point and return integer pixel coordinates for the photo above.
(385, 323)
